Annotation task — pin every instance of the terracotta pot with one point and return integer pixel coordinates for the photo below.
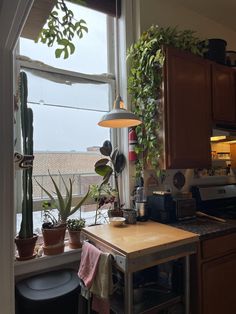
(74, 239)
(53, 240)
(25, 248)
(115, 213)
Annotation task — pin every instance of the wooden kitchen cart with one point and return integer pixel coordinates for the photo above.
(140, 246)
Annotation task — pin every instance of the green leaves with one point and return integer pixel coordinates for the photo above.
(62, 30)
(146, 59)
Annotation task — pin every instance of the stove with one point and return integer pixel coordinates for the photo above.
(216, 200)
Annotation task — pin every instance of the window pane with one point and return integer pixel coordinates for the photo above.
(91, 55)
(65, 129)
(76, 95)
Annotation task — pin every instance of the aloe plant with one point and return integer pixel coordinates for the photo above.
(26, 230)
(63, 205)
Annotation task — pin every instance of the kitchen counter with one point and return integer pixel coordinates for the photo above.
(206, 228)
(141, 238)
(140, 246)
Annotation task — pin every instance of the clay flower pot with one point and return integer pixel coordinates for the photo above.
(54, 240)
(74, 239)
(26, 247)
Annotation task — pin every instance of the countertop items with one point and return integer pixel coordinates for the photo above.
(206, 228)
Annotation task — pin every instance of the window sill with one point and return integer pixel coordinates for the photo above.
(46, 262)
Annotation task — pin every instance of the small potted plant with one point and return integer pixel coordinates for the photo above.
(74, 227)
(104, 195)
(112, 164)
(53, 229)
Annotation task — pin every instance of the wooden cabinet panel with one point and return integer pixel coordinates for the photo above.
(223, 94)
(218, 286)
(187, 111)
(218, 246)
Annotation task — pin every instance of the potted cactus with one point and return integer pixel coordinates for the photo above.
(74, 227)
(54, 228)
(26, 239)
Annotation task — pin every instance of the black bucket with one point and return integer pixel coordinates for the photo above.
(216, 50)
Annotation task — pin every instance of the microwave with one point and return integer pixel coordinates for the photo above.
(165, 208)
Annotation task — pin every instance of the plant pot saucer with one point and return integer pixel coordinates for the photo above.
(18, 258)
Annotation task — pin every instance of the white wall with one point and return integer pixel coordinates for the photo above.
(164, 13)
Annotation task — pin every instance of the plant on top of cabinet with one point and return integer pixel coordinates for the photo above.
(146, 58)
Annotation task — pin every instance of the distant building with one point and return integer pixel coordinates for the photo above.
(77, 165)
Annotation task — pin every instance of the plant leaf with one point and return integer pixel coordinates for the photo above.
(101, 162)
(60, 198)
(120, 163)
(103, 170)
(106, 148)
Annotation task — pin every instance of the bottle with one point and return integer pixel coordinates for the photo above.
(141, 204)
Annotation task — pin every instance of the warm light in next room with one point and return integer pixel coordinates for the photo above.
(218, 138)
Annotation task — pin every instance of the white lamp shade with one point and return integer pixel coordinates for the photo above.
(119, 117)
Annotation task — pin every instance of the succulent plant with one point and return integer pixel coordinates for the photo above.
(75, 224)
(63, 204)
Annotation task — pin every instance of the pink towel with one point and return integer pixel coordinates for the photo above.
(89, 263)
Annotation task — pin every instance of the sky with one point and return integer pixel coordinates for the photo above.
(65, 129)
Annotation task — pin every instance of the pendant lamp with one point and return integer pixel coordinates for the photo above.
(118, 117)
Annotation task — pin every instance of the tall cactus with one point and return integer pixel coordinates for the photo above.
(26, 230)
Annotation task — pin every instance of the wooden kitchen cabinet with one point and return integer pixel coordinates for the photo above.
(187, 110)
(214, 275)
(223, 95)
(218, 285)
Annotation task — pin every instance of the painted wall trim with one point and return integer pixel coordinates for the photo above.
(12, 17)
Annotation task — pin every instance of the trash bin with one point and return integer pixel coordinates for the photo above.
(51, 292)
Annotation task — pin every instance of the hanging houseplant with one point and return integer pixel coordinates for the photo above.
(146, 59)
(62, 28)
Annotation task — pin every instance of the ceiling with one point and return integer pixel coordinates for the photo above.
(222, 11)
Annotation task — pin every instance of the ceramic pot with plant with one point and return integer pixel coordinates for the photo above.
(104, 195)
(53, 229)
(112, 164)
(25, 241)
(74, 227)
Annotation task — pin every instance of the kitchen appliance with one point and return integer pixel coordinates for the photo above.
(141, 204)
(216, 200)
(164, 207)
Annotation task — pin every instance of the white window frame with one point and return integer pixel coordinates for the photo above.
(94, 78)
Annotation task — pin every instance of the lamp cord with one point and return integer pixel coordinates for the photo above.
(116, 53)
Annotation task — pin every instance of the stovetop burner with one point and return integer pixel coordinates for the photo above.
(222, 213)
(218, 200)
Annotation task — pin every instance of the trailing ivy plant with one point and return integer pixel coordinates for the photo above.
(146, 59)
(62, 28)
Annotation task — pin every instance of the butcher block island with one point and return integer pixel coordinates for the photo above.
(141, 246)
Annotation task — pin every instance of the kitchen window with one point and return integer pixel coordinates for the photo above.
(68, 97)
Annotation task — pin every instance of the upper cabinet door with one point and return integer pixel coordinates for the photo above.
(187, 110)
(223, 95)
